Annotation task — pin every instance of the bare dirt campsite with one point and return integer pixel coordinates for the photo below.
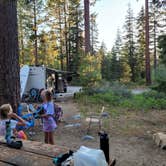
(130, 134)
(103, 62)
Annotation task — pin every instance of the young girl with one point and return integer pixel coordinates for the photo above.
(49, 124)
(7, 115)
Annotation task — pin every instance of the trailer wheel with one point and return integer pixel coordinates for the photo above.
(39, 96)
(34, 93)
(75, 95)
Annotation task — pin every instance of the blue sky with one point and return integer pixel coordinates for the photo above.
(111, 15)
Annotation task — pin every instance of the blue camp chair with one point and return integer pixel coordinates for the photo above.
(29, 118)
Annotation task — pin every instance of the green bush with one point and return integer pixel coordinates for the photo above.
(140, 102)
(115, 89)
(154, 94)
(160, 79)
(118, 95)
(121, 92)
(145, 101)
(105, 98)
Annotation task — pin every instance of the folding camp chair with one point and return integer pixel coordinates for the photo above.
(30, 118)
(96, 118)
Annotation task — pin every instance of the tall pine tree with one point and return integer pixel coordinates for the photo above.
(140, 43)
(9, 59)
(130, 44)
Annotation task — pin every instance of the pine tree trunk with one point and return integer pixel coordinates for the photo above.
(147, 54)
(77, 43)
(66, 35)
(21, 44)
(87, 26)
(9, 59)
(155, 50)
(92, 38)
(35, 33)
(60, 36)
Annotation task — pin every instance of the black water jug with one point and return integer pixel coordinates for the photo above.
(104, 144)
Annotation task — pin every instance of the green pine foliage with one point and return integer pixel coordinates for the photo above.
(162, 47)
(129, 44)
(160, 78)
(60, 41)
(140, 43)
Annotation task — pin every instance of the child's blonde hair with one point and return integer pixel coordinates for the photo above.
(47, 94)
(5, 109)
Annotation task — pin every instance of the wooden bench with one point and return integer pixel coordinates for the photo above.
(31, 154)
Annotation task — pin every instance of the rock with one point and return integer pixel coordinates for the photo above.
(76, 117)
(95, 120)
(148, 132)
(87, 137)
(73, 125)
(69, 125)
(160, 140)
(77, 125)
(105, 114)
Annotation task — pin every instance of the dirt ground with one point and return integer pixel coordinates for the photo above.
(130, 134)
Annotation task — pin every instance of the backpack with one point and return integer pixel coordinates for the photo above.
(58, 113)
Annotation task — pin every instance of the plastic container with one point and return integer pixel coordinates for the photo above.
(89, 157)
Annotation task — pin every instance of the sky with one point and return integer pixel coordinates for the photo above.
(111, 16)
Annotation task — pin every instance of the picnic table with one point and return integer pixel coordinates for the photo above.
(31, 154)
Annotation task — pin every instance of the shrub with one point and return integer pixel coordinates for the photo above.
(154, 94)
(140, 102)
(119, 96)
(109, 98)
(160, 78)
(124, 93)
(120, 90)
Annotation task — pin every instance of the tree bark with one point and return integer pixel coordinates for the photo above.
(87, 25)
(147, 54)
(66, 35)
(9, 59)
(60, 37)
(155, 50)
(35, 33)
(21, 44)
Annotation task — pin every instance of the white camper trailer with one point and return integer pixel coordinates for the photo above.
(36, 78)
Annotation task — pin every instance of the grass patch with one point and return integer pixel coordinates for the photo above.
(123, 99)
